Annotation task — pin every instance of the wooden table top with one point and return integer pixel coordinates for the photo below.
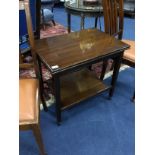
(77, 47)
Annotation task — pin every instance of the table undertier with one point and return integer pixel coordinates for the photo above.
(78, 86)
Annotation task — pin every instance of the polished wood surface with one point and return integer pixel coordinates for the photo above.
(77, 47)
(78, 86)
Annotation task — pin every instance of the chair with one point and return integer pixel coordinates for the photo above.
(27, 62)
(47, 12)
(29, 95)
(35, 16)
(113, 21)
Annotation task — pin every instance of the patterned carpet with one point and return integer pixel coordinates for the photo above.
(52, 30)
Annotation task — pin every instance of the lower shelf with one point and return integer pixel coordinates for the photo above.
(78, 86)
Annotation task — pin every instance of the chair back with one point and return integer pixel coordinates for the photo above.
(22, 18)
(113, 17)
(24, 5)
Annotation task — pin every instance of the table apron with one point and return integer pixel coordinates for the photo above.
(84, 64)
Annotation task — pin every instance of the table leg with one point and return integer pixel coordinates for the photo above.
(43, 18)
(69, 22)
(104, 67)
(56, 81)
(96, 19)
(117, 63)
(82, 21)
(41, 84)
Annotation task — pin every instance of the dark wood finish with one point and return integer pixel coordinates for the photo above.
(117, 64)
(82, 11)
(71, 53)
(82, 21)
(34, 123)
(104, 67)
(77, 48)
(69, 22)
(41, 86)
(84, 83)
(96, 19)
(57, 91)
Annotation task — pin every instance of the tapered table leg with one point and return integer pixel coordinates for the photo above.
(104, 67)
(69, 22)
(41, 84)
(82, 21)
(96, 19)
(117, 64)
(56, 81)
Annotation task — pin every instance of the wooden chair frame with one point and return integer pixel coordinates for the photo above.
(114, 21)
(34, 124)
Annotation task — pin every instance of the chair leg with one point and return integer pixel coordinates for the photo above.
(38, 137)
(43, 19)
(53, 22)
(42, 96)
(43, 100)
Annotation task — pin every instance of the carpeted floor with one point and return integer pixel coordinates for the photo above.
(51, 31)
(59, 12)
(97, 126)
